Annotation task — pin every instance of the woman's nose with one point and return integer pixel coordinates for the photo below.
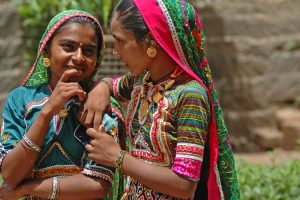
(78, 55)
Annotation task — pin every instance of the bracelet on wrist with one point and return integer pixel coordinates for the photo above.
(31, 144)
(119, 160)
(55, 189)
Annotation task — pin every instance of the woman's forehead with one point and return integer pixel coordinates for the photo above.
(77, 32)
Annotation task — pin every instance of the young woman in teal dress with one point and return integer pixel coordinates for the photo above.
(179, 143)
(42, 144)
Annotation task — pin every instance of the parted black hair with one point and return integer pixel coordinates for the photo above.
(131, 19)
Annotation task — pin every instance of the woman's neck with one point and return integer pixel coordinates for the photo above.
(161, 68)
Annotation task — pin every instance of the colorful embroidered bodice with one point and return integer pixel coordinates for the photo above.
(172, 135)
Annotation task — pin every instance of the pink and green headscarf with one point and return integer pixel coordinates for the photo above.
(183, 40)
(38, 73)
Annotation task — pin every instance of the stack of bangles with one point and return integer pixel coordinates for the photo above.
(31, 145)
(119, 160)
(55, 189)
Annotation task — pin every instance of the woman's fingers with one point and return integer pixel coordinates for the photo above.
(89, 148)
(97, 119)
(75, 92)
(68, 74)
(101, 129)
(92, 133)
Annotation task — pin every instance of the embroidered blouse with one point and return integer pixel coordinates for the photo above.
(173, 133)
(63, 153)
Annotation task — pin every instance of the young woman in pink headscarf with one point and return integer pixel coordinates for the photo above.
(178, 142)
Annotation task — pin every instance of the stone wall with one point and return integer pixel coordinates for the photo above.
(12, 49)
(254, 49)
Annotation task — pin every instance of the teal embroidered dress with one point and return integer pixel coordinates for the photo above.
(62, 153)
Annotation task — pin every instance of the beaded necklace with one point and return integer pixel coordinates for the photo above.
(144, 108)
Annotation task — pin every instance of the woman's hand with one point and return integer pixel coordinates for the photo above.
(102, 147)
(64, 91)
(95, 105)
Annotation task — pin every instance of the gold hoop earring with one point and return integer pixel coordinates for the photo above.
(46, 62)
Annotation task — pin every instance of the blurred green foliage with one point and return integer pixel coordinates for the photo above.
(263, 182)
(37, 13)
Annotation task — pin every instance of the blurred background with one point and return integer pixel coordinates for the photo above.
(253, 48)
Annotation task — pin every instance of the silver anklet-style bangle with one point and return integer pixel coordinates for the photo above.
(55, 189)
(31, 144)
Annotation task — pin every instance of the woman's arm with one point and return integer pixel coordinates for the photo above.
(158, 178)
(73, 187)
(18, 162)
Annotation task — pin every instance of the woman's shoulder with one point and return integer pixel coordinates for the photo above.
(24, 92)
(19, 91)
(192, 87)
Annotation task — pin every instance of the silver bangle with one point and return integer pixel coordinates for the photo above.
(55, 189)
(31, 144)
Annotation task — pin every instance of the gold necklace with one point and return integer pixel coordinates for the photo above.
(144, 108)
(144, 102)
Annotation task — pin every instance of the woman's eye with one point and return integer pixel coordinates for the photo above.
(68, 46)
(90, 51)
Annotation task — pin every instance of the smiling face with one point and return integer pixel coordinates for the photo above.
(74, 46)
(129, 51)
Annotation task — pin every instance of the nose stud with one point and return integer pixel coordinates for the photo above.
(115, 53)
(83, 59)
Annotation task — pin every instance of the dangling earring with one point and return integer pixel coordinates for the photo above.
(46, 62)
(151, 51)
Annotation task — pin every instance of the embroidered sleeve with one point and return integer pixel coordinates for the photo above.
(13, 126)
(3, 153)
(192, 126)
(99, 171)
(122, 87)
